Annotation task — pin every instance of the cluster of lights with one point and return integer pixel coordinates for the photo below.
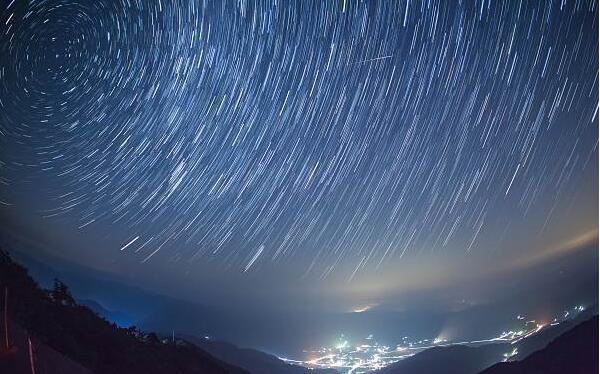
(532, 326)
(511, 354)
(367, 354)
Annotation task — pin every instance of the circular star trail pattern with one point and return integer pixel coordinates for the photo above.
(247, 133)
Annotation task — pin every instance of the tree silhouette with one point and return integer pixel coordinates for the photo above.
(61, 295)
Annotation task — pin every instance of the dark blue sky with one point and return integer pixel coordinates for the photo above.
(347, 146)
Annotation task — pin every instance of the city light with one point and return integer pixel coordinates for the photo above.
(367, 354)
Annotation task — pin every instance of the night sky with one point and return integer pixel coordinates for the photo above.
(299, 147)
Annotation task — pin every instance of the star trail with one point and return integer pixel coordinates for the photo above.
(316, 134)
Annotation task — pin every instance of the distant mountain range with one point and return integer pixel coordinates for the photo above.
(574, 352)
(569, 347)
(455, 359)
(119, 318)
(53, 333)
(251, 359)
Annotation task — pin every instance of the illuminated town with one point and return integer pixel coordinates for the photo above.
(367, 354)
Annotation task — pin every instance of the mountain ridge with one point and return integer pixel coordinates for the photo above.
(54, 319)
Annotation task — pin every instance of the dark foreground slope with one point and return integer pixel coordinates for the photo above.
(67, 337)
(575, 351)
(45, 359)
